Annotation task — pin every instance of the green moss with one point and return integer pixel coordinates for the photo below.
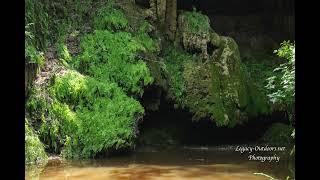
(215, 39)
(195, 85)
(220, 90)
(197, 77)
(34, 149)
(196, 22)
(279, 135)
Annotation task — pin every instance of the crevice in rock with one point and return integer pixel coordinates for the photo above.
(211, 48)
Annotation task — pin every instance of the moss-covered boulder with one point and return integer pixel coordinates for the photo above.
(34, 149)
(218, 87)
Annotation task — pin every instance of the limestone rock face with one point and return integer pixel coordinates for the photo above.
(213, 83)
(218, 89)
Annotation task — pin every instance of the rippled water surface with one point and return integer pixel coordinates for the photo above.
(177, 163)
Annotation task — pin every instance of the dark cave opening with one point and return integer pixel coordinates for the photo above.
(193, 50)
(174, 126)
(211, 48)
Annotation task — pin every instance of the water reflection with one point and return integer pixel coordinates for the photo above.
(165, 164)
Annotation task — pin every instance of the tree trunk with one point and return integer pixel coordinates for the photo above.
(171, 18)
(165, 13)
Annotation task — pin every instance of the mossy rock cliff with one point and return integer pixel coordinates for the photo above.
(217, 86)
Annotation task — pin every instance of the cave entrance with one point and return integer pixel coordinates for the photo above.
(174, 126)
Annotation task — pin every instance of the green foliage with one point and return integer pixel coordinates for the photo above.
(174, 60)
(278, 135)
(34, 149)
(196, 22)
(34, 56)
(63, 52)
(37, 21)
(110, 18)
(49, 20)
(36, 105)
(80, 11)
(281, 85)
(88, 117)
(83, 115)
(113, 57)
(260, 67)
(39, 107)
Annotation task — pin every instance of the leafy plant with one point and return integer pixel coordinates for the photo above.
(63, 52)
(34, 149)
(281, 85)
(174, 60)
(34, 56)
(88, 117)
(37, 22)
(109, 18)
(113, 57)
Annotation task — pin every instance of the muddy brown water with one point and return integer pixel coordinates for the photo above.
(214, 163)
